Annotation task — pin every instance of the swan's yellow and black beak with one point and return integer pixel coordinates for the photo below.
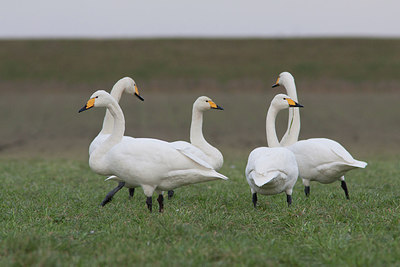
(88, 105)
(276, 84)
(293, 104)
(214, 106)
(137, 93)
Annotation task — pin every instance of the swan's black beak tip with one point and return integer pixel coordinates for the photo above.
(275, 85)
(220, 108)
(139, 96)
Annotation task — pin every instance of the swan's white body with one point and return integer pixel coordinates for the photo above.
(272, 170)
(323, 160)
(318, 159)
(152, 164)
(198, 145)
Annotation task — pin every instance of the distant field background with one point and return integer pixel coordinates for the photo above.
(349, 87)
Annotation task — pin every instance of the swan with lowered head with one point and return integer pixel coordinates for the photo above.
(273, 170)
(318, 159)
(124, 85)
(153, 164)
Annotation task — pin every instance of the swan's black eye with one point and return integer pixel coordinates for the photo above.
(97, 97)
(284, 98)
(207, 101)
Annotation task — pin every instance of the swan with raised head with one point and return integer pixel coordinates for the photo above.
(153, 164)
(198, 144)
(318, 159)
(124, 85)
(293, 130)
(273, 170)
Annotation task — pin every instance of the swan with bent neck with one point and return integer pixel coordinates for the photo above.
(207, 152)
(273, 170)
(318, 159)
(153, 164)
(293, 130)
(123, 85)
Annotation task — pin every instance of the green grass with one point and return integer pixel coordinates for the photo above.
(50, 215)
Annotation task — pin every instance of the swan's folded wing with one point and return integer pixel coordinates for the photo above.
(261, 179)
(192, 152)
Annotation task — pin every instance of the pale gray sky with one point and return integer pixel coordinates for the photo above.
(205, 18)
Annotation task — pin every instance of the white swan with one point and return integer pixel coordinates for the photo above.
(292, 133)
(153, 164)
(207, 152)
(124, 85)
(274, 170)
(318, 159)
(323, 160)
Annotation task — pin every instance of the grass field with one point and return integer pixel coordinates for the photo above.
(49, 213)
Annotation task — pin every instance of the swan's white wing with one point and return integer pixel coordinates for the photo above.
(262, 179)
(192, 152)
(340, 152)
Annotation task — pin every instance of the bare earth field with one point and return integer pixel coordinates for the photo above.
(49, 197)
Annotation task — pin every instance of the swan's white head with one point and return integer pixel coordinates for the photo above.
(129, 86)
(282, 101)
(99, 98)
(204, 103)
(284, 79)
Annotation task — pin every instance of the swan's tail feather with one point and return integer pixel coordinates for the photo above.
(360, 164)
(262, 179)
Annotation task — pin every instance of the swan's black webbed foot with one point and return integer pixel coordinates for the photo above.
(255, 199)
(131, 192)
(110, 194)
(149, 202)
(160, 200)
(170, 194)
(289, 200)
(307, 191)
(344, 186)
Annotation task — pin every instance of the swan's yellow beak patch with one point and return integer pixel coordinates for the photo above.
(212, 104)
(88, 105)
(137, 93)
(291, 102)
(276, 84)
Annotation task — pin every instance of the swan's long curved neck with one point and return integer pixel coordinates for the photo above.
(196, 129)
(197, 139)
(116, 93)
(272, 138)
(293, 130)
(96, 158)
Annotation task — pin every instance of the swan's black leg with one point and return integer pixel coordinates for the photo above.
(160, 200)
(289, 200)
(131, 192)
(110, 194)
(149, 202)
(344, 186)
(255, 199)
(307, 190)
(170, 194)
